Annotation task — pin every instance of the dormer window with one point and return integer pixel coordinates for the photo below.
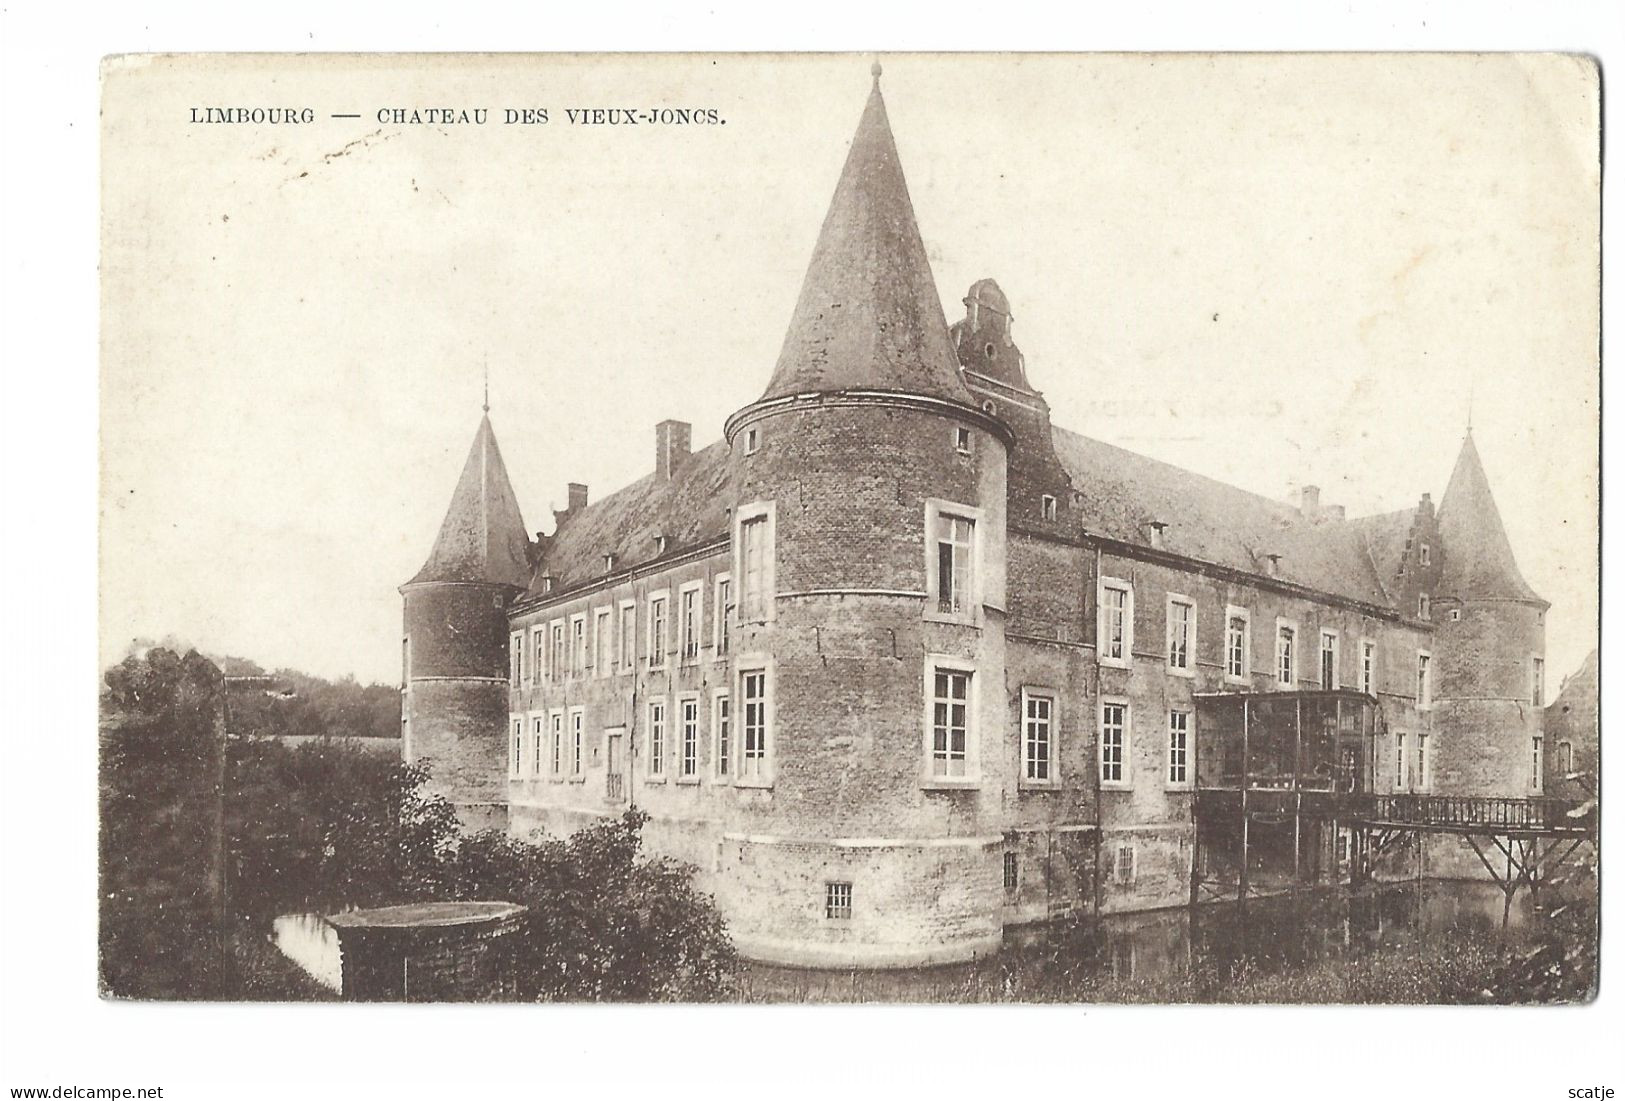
(661, 542)
(1047, 505)
(609, 563)
(547, 582)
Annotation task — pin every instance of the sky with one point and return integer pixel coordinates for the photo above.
(1273, 270)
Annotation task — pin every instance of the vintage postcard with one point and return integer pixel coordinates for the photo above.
(782, 528)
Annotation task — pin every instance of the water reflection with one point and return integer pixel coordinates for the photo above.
(1272, 936)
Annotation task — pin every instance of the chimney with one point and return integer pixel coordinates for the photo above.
(671, 447)
(1311, 503)
(578, 496)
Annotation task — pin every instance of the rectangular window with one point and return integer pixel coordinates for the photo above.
(688, 746)
(603, 646)
(838, 901)
(516, 747)
(1116, 640)
(657, 737)
(1328, 659)
(629, 636)
(1179, 748)
(1424, 681)
(577, 721)
(1368, 668)
(1565, 759)
(962, 440)
(538, 653)
(1114, 743)
(1237, 644)
(950, 723)
(1047, 506)
(1401, 777)
(578, 646)
(1538, 691)
(1537, 771)
(1181, 634)
(722, 732)
(1424, 763)
(557, 761)
(556, 669)
(755, 567)
(953, 537)
(657, 631)
(1425, 554)
(1012, 872)
(720, 615)
(516, 660)
(1125, 865)
(753, 692)
(688, 619)
(536, 754)
(1286, 654)
(1037, 738)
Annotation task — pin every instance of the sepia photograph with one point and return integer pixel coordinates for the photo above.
(921, 528)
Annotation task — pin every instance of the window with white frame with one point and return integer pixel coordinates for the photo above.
(629, 636)
(1181, 634)
(720, 616)
(1329, 654)
(1537, 769)
(688, 737)
(1038, 737)
(1368, 667)
(1401, 776)
(1424, 680)
(537, 755)
(657, 737)
(1537, 692)
(578, 721)
(722, 732)
(1116, 641)
(1114, 743)
(657, 631)
(603, 645)
(1286, 653)
(689, 621)
(538, 653)
(556, 667)
(753, 750)
(838, 901)
(516, 660)
(950, 722)
(1047, 506)
(1179, 748)
(962, 440)
(753, 536)
(952, 565)
(516, 747)
(1237, 644)
(1424, 762)
(578, 645)
(556, 758)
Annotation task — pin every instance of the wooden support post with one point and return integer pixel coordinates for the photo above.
(1246, 782)
(1196, 849)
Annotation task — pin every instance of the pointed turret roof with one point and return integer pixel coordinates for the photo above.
(1478, 560)
(869, 316)
(483, 535)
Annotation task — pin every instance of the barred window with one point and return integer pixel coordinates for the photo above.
(838, 901)
(1012, 877)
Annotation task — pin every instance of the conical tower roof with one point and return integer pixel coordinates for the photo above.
(869, 316)
(483, 535)
(1478, 560)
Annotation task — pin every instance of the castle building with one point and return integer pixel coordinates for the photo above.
(898, 663)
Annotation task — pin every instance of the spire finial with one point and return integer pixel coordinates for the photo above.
(487, 406)
(874, 71)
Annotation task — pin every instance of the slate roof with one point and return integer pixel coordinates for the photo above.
(483, 535)
(689, 507)
(1124, 493)
(869, 316)
(1478, 560)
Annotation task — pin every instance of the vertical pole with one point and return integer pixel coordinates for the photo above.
(1196, 849)
(1297, 793)
(1246, 782)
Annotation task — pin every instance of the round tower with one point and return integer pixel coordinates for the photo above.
(1490, 648)
(868, 540)
(454, 649)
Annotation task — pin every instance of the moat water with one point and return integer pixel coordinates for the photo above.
(1154, 955)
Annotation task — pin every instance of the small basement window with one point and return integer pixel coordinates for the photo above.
(838, 901)
(1012, 872)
